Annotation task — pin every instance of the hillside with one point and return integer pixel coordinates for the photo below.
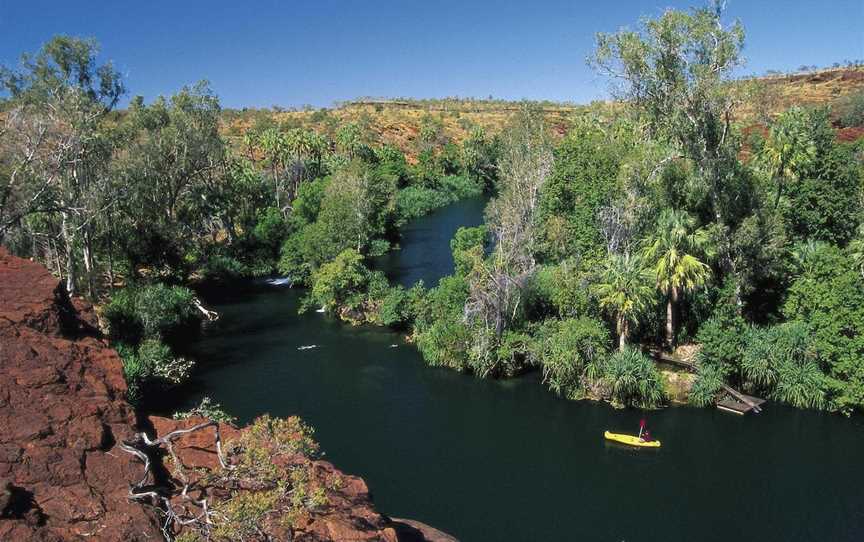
(398, 121)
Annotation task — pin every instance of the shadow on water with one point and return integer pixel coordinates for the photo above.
(507, 460)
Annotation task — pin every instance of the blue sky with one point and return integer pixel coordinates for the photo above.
(291, 52)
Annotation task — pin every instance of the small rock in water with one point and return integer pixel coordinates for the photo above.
(307, 347)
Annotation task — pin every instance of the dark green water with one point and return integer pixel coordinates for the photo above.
(506, 460)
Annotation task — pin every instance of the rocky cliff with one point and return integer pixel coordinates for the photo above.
(72, 450)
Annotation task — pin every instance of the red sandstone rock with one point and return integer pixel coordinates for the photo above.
(62, 408)
(63, 411)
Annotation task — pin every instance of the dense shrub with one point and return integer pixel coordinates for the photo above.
(340, 283)
(723, 339)
(304, 251)
(440, 331)
(143, 322)
(571, 353)
(851, 110)
(631, 379)
(707, 386)
(561, 290)
(467, 244)
(151, 363)
(155, 312)
(584, 179)
(824, 204)
(220, 268)
(307, 204)
(418, 200)
(829, 298)
(512, 353)
(398, 306)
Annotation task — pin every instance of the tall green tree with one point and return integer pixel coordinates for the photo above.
(497, 283)
(625, 292)
(58, 148)
(789, 148)
(676, 71)
(673, 253)
(174, 153)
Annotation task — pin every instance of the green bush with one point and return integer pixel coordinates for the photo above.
(561, 290)
(150, 312)
(398, 306)
(341, 283)
(151, 363)
(270, 227)
(570, 352)
(584, 179)
(439, 330)
(800, 384)
(631, 379)
(307, 204)
(512, 352)
(825, 204)
(304, 251)
(707, 386)
(223, 269)
(851, 110)
(418, 200)
(723, 339)
(771, 349)
(466, 245)
(828, 297)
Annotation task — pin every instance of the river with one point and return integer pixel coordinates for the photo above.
(506, 460)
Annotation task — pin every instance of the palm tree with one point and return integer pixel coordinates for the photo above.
(789, 148)
(625, 292)
(677, 270)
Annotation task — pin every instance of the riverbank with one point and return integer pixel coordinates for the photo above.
(490, 457)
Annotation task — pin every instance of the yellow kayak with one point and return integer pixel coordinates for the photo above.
(631, 440)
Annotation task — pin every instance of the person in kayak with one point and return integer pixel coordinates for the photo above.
(644, 434)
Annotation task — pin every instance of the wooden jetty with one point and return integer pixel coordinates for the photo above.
(738, 403)
(730, 400)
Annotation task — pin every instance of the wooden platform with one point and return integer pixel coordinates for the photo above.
(731, 400)
(740, 405)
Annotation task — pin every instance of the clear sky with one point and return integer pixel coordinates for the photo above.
(293, 52)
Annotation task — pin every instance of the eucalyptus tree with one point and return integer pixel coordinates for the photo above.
(673, 253)
(676, 72)
(55, 148)
(624, 291)
(496, 283)
(173, 153)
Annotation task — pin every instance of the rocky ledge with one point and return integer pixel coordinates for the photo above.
(76, 462)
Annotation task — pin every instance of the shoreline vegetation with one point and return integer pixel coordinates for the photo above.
(698, 209)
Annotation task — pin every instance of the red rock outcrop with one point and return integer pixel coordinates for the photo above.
(63, 413)
(62, 409)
